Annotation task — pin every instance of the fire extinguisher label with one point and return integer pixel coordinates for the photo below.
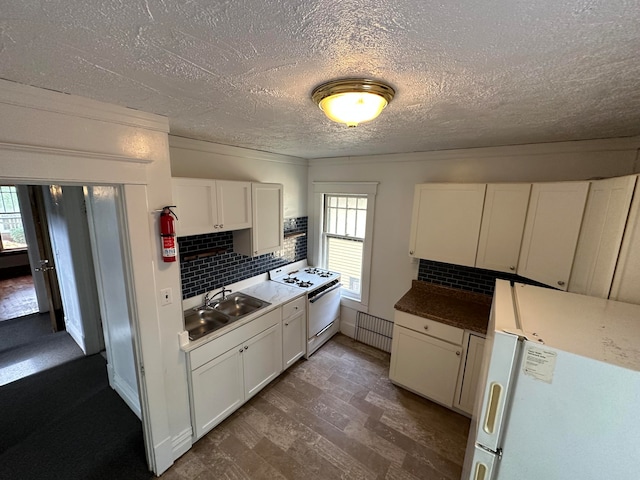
(168, 247)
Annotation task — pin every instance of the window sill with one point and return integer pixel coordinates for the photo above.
(14, 251)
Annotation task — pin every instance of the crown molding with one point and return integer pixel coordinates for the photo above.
(228, 150)
(20, 95)
(63, 152)
(578, 146)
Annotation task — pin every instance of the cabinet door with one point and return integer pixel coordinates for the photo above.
(505, 211)
(605, 217)
(234, 205)
(627, 276)
(262, 359)
(267, 218)
(446, 222)
(551, 232)
(293, 338)
(196, 206)
(218, 390)
(425, 365)
(470, 377)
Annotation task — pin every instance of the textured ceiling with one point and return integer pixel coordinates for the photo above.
(240, 72)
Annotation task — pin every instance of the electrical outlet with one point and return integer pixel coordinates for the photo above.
(166, 297)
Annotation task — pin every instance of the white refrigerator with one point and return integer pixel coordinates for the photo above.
(559, 397)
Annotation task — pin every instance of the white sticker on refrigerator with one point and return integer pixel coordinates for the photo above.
(540, 363)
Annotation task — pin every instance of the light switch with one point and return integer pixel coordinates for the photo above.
(166, 296)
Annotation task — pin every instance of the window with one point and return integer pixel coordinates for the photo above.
(11, 229)
(345, 220)
(344, 230)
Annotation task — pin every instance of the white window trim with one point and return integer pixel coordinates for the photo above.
(340, 188)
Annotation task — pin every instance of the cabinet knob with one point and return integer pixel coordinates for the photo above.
(295, 308)
(410, 252)
(426, 327)
(221, 226)
(286, 324)
(458, 353)
(246, 348)
(256, 252)
(216, 226)
(560, 282)
(240, 350)
(512, 268)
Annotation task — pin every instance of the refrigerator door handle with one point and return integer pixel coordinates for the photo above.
(491, 414)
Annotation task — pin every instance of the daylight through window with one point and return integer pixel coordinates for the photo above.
(345, 220)
(11, 229)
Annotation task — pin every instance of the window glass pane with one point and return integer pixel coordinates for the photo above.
(11, 228)
(342, 202)
(345, 256)
(341, 222)
(333, 201)
(352, 202)
(330, 220)
(351, 223)
(361, 223)
(362, 203)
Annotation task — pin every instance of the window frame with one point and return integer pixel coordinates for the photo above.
(320, 189)
(13, 251)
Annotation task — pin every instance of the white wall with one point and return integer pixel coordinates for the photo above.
(198, 159)
(392, 269)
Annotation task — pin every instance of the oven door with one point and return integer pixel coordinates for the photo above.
(324, 309)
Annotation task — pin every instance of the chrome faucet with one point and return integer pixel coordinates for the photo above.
(208, 299)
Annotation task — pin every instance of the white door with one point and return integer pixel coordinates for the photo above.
(446, 222)
(71, 246)
(503, 218)
(605, 218)
(234, 205)
(103, 213)
(551, 232)
(196, 207)
(267, 218)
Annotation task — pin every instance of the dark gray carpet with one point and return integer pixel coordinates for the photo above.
(67, 423)
(42, 353)
(22, 330)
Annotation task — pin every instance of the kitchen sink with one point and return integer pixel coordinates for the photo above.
(238, 305)
(206, 319)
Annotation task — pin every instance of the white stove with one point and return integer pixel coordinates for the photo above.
(303, 276)
(323, 299)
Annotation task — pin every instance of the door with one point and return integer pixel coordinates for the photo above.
(267, 218)
(69, 233)
(293, 338)
(234, 204)
(105, 224)
(551, 232)
(217, 390)
(262, 358)
(605, 218)
(196, 206)
(446, 222)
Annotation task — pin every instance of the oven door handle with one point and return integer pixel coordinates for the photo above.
(322, 294)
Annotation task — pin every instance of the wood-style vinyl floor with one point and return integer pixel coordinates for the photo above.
(334, 416)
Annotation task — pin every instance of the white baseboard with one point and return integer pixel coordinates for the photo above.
(181, 443)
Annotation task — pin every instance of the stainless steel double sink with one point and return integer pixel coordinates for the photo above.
(200, 321)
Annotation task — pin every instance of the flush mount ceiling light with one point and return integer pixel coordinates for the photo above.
(352, 100)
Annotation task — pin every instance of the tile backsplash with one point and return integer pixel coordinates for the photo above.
(465, 278)
(205, 274)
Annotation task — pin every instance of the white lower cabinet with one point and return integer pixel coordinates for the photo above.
(423, 357)
(294, 331)
(229, 370)
(437, 361)
(469, 375)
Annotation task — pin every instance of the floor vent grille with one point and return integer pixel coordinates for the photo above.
(374, 331)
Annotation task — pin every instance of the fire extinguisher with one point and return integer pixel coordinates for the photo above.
(168, 234)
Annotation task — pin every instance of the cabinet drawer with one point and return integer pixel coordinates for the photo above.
(294, 307)
(214, 348)
(429, 327)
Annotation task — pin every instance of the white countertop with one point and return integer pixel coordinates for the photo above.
(275, 293)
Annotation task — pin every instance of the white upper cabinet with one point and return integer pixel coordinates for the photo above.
(603, 225)
(503, 219)
(626, 280)
(206, 206)
(267, 233)
(446, 222)
(551, 232)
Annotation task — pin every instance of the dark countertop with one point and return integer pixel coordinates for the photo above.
(451, 306)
